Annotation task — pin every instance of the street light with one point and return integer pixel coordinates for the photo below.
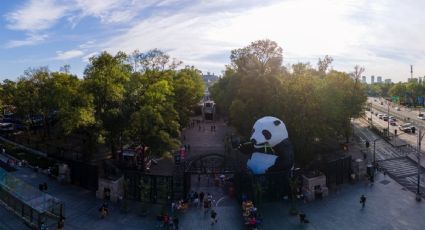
(420, 136)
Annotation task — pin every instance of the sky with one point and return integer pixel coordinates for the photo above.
(383, 36)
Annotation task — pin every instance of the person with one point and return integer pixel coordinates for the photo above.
(201, 197)
(103, 211)
(206, 207)
(213, 217)
(61, 223)
(176, 222)
(363, 200)
(196, 199)
(43, 226)
(302, 217)
(45, 186)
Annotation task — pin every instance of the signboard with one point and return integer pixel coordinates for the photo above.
(421, 101)
(395, 99)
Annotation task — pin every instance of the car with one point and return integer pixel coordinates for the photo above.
(393, 123)
(380, 115)
(397, 108)
(406, 127)
(392, 118)
(421, 116)
(385, 117)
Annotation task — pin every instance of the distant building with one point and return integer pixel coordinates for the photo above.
(209, 78)
(413, 80)
(388, 81)
(363, 79)
(379, 79)
(372, 79)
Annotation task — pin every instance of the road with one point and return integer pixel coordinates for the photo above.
(396, 161)
(405, 114)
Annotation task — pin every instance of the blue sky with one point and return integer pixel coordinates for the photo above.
(384, 36)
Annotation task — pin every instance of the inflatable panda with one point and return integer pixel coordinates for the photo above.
(273, 150)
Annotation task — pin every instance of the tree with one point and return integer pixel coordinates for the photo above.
(323, 65)
(105, 79)
(262, 57)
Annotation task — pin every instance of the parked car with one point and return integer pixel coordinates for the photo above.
(397, 108)
(406, 127)
(385, 117)
(421, 116)
(392, 118)
(393, 123)
(380, 116)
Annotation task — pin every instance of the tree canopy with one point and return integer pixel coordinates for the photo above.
(315, 104)
(122, 99)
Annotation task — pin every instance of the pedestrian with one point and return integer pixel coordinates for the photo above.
(213, 217)
(206, 207)
(61, 223)
(196, 200)
(43, 226)
(188, 147)
(199, 128)
(176, 222)
(212, 128)
(201, 197)
(45, 186)
(363, 200)
(302, 217)
(103, 212)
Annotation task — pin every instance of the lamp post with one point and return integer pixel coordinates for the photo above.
(388, 119)
(418, 192)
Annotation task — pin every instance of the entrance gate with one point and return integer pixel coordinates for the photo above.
(214, 165)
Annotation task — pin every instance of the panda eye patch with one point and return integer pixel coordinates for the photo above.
(267, 134)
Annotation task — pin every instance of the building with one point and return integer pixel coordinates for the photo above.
(363, 79)
(372, 79)
(209, 78)
(379, 79)
(387, 81)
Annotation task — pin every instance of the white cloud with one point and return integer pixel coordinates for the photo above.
(88, 56)
(68, 54)
(32, 39)
(35, 15)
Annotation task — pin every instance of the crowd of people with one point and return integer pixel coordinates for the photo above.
(250, 214)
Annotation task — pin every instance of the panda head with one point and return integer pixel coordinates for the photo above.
(268, 131)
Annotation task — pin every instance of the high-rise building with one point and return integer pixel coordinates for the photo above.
(372, 79)
(388, 81)
(363, 79)
(379, 79)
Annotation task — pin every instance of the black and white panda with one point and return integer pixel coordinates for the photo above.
(273, 150)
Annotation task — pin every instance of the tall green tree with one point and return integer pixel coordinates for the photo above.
(105, 79)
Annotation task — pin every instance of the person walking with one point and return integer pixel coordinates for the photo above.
(61, 223)
(213, 217)
(363, 200)
(201, 197)
(196, 199)
(176, 222)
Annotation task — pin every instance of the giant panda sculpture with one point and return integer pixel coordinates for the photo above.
(273, 150)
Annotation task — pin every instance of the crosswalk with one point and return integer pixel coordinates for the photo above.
(395, 160)
(402, 167)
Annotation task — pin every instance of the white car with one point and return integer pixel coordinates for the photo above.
(406, 127)
(421, 116)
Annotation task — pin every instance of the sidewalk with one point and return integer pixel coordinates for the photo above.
(388, 206)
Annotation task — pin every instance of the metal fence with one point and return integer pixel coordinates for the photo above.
(27, 202)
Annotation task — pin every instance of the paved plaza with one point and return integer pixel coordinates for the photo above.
(388, 206)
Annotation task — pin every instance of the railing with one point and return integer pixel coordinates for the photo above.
(30, 204)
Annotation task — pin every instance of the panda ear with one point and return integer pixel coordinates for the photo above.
(276, 122)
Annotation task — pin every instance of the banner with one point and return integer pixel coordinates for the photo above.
(421, 101)
(395, 99)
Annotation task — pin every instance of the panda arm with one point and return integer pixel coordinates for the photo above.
(285, 152)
